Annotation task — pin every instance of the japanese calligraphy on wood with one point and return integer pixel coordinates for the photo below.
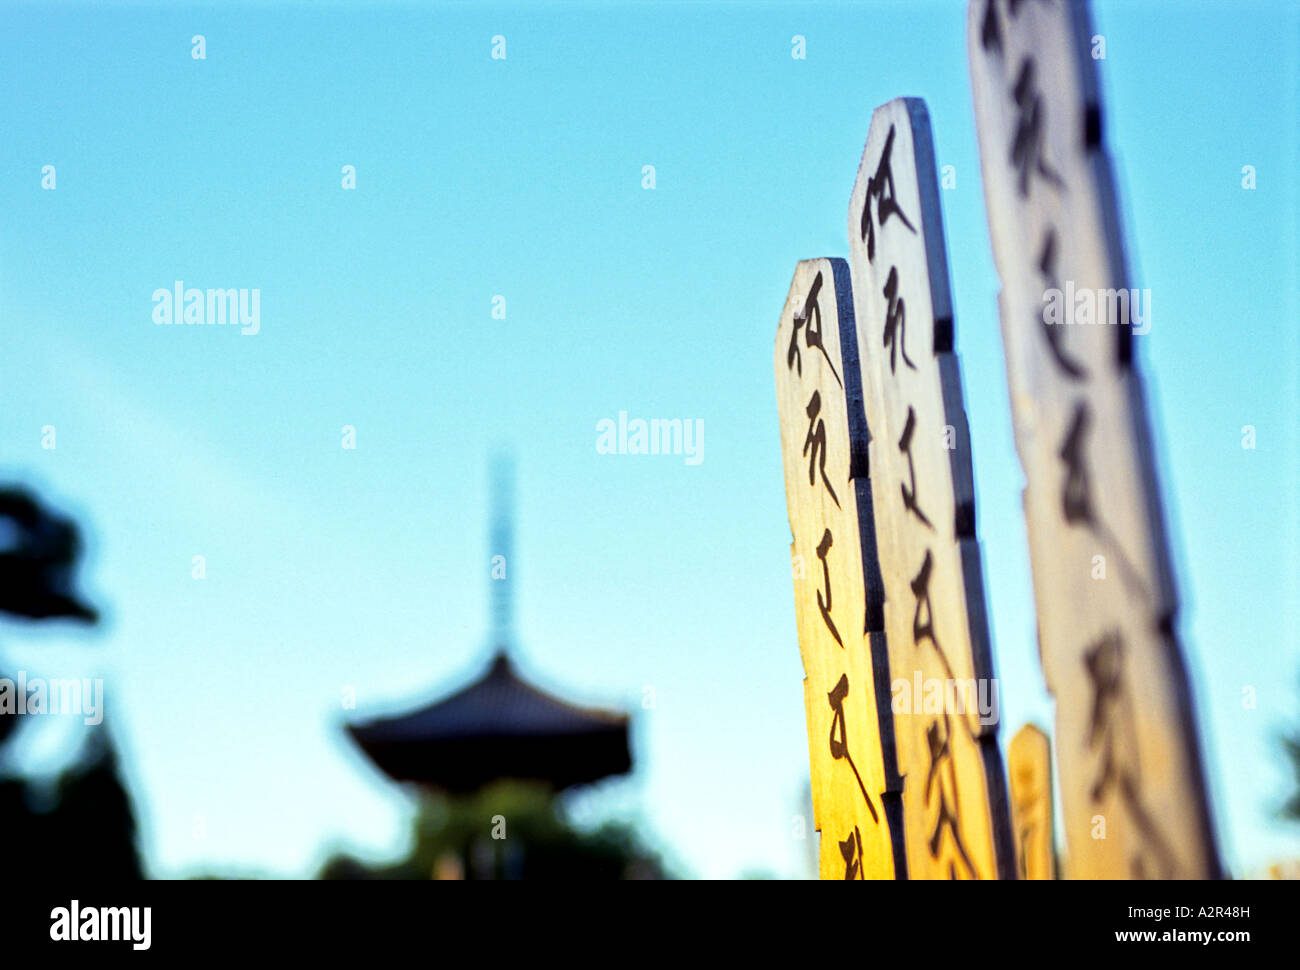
(1029, 770)
(836, 580)
(944, 700)
(1132, 795)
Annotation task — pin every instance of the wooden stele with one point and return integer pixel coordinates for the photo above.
(1132, 792)
(955, 818)
(836, 582)
(1029, 771)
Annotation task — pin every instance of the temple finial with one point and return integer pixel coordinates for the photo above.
(501, 540)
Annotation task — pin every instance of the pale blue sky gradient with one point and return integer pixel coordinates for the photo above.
(328, 568)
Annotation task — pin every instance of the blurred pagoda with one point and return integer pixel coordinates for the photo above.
(499, 727)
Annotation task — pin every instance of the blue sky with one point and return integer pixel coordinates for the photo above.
(329, 568)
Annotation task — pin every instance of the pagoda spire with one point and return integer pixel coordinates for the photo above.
(501, 543)
(500, 726)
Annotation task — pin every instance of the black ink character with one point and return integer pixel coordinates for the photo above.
(905, 446)
(990, 29)
(895, 322)
(840, 745)
(943, 771)
(921, 590)
(1076, 496)
(1054, 332)
(1104, 664)
(816, 440)
(851, 849)
(810, 319)
(1027, 146)
(825, 606)
(880, 187)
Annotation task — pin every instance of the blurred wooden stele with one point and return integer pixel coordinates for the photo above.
(1129, 764)
(1029, 768)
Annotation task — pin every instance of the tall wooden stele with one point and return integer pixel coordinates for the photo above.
(1029, 771)
(1132, 791)
(836, 580)
(955, 815)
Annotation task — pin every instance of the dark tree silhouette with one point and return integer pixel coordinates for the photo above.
(508, 830)
(36, 570)
(84, 823)
(1291, 745)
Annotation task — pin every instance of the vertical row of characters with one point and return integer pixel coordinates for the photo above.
(955, 814)
(836, 579)
(1131, 787)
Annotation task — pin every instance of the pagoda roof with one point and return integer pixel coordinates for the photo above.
(500, 726)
